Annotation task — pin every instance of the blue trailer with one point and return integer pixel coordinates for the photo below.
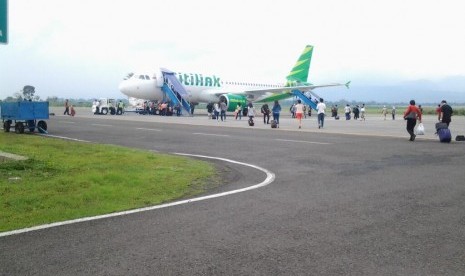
(24, 114)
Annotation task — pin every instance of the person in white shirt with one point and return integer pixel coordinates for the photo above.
(299, 112)
(362, 112)
(321, 108)
(347, 111)
(250, 112)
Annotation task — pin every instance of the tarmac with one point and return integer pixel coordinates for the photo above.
(373, 125)
(353, 198)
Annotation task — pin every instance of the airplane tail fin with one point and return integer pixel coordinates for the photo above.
(299, 73)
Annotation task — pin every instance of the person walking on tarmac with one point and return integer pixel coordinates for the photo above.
(66, 108)
(265, 110)
(276, 110)
(446, 112)
(119, 108)
(321, 109)
(239, 111)
(223, 109)
(412, 114)
(299, 111)
(72, 111)
(250, 113)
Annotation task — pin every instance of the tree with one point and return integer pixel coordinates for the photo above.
(28, 92)
(18, 96)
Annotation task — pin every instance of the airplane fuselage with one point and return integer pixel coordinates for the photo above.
(200, 87)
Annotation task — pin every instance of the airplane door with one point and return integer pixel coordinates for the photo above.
(159, 78)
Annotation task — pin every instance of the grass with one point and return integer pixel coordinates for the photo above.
(64, 180)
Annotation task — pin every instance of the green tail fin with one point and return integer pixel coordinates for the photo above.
(299, 72)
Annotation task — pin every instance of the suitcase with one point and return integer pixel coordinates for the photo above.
(213, 117)
(460, 138)
(440, 126)
(336, 118)
(274, 124)
(444, 135)
(251, 123)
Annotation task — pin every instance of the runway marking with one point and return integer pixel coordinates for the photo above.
(153, 129)
(301, 141)
(67, 122)
(270, 176)
(211, 134)
(102, 125)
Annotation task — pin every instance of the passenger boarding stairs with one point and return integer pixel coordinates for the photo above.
(175, 91)
(307, 100)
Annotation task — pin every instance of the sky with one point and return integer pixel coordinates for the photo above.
(83, 49)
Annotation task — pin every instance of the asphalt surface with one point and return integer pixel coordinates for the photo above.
(354, 198)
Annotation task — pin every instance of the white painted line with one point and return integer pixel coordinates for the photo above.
(65, 138)
(153, 129)
(210, 134)
(269, 178)
(102, 125)
(301, 141)
(12, 156)
(66, 122)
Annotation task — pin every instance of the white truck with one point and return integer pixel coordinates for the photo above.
(104, 106)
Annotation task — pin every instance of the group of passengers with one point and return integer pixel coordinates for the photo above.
(162, 109)
(217, 110)
(358, 112)
(306, 110)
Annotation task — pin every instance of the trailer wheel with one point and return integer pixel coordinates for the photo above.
(19, 128)
(7, 125)
(104, 111)
(42, 126)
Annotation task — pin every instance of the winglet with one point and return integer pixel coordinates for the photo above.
(347, 84)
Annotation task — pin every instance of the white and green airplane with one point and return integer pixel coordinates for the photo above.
(202, 88)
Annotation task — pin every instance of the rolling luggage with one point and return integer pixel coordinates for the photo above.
(274, 124)
(444, 135)
(440, 126)
(251, 123)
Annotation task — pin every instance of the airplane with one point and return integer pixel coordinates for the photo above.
(202, 88)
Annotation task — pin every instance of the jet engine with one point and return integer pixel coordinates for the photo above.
(232, 100)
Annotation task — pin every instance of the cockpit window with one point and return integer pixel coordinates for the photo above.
(147, 77)
(141, 77)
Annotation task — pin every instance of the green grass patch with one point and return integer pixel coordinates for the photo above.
(64, 180)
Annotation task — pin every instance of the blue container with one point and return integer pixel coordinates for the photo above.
(24, 110)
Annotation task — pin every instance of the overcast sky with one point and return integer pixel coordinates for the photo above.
(83, 48)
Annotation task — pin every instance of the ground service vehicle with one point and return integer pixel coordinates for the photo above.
(103, 106)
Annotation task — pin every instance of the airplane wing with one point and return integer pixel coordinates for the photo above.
(272, 94)
(280, 93)
(303, 88)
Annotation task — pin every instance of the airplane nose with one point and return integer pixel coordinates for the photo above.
(123, 87)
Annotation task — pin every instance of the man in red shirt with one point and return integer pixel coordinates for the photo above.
(411, 114)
